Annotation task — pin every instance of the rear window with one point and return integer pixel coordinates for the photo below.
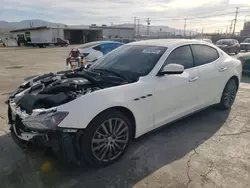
(247, 40)
(225, 42)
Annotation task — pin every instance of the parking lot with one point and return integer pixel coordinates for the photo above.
(208, 149)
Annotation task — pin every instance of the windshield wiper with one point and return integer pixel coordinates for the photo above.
(114, 72)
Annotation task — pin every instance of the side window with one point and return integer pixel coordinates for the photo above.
(204, 54)
(181, 55)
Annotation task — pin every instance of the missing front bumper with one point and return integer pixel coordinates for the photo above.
(64, 145)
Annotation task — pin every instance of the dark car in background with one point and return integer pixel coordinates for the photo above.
(245, 59)
(245, 45)
(229, 45)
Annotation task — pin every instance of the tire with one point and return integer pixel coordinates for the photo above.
(103, 151)
(228, 95)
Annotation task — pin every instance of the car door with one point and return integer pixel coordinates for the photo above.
(175, 95)
(208, 62)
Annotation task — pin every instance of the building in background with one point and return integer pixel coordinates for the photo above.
(75, 34)
(114, 32)
(246, 29)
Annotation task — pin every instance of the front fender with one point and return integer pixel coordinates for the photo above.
(83, 109)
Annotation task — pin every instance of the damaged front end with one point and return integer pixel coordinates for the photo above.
(33, 114)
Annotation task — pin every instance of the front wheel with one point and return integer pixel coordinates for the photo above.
(106, 138)
(229, 94)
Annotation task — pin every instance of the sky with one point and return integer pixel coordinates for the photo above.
(211, 15)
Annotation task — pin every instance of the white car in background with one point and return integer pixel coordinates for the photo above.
(94, 114)
(95, 50)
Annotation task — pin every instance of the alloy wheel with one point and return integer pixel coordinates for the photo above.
(230, 93)
(110, 139)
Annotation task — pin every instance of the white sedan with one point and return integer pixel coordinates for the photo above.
(94, 114)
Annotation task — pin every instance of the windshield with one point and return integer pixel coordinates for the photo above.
(247, 40)
(131, 60)
(225, 42)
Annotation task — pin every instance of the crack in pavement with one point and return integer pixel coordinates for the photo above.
(235, 134)
(204, 176)
(1, 117)
(188, 167)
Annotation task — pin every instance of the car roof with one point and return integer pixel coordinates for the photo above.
(170, 43)
(94, 43)
(226, 39)
(107, 42)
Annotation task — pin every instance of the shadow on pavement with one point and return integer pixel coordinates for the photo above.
(144, 156)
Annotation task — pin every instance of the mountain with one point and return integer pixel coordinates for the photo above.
(25, 24)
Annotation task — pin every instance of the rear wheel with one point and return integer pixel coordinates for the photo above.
(106, 138)
(229, 94)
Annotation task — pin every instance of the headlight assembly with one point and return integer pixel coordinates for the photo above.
(45, 121)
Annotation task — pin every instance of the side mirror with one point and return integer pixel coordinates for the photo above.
(172, 69)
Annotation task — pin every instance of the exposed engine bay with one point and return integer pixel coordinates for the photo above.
(53, 89)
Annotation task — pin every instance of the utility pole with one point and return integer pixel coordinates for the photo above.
(134, 26)
(231, 25)
(185, 23)
(138, 26)
(235, 20)
(148, 23)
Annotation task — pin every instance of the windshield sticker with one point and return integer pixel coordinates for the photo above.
(151, 51)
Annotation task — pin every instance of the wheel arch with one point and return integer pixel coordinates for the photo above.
(125, 111)
(236, 79)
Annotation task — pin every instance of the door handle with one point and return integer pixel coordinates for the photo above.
(223, 69)
(193, 79)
